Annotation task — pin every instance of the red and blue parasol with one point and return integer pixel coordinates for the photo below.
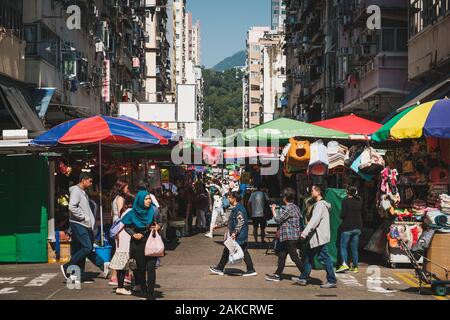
(104, 129)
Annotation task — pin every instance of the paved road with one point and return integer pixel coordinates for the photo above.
(184, 274)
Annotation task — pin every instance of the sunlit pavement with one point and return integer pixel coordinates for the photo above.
(184, 274)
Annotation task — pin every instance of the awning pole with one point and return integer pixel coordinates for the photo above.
(100, 185)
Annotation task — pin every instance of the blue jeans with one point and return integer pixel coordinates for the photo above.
(82, 247)
(352, 237)
(325, 258)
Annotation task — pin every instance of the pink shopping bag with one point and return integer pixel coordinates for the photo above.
(154, 246)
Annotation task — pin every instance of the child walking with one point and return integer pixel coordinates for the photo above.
(119, 262)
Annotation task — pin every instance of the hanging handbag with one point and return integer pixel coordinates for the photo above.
(299, 154)
(154, 246)
(371, 161)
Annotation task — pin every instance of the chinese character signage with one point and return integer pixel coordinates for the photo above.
(106, 80)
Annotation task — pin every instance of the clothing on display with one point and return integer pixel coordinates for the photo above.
(355, 168)
(389, 180)
(434, 192)
(332, 147)
(371, 161)
(336, 159)
(410, 234)
(318, 163)
(444, 203)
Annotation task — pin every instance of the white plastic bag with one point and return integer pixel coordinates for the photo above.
(236, 252)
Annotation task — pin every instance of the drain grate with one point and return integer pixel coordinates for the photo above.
(326, 295)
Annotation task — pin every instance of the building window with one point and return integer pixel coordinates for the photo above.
(394, 39)
(42, 42)
(423, 13)
(255, 48)
(11, 16)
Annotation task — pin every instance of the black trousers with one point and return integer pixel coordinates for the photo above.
(288, 247)
(145, 265)
(121, 278)
(259, 222)
(247, 258)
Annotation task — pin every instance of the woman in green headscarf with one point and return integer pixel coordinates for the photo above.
(138, 224)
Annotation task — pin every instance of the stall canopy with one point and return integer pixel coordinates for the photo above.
(284, 129)
(103, 130)
(431, 119)
(351, 124)
(107, 130)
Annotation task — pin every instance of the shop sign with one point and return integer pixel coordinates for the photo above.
(136, 63)
(106, 80)
(165, 175)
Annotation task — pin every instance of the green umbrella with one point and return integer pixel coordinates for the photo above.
(284, 129)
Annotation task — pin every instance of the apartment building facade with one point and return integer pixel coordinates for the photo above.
(91, 66)
(18, 109)
(428, 50)
(278, 15)
(196, 43)
(179, 41)
(157, 55)
(253, 107)
(336, 64)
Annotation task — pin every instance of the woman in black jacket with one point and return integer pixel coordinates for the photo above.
(350, 229)
(139, 222)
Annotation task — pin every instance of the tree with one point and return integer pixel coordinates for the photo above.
(223, 93)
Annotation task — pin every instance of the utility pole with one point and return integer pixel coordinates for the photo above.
(209, 120)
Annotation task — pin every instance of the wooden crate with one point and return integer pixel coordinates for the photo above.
(439, 253)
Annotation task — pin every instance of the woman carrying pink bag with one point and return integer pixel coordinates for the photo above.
(155, 245)
(140, 223)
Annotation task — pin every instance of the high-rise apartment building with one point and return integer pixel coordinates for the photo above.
(179, 42)
(253, 107)
(196, 44)
(278, 14)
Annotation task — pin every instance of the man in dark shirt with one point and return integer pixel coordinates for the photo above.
(351, 227)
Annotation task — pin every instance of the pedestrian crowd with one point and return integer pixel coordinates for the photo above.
(140, 221)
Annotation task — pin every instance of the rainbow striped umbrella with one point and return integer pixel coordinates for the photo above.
(431, 119)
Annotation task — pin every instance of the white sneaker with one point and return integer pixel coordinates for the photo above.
(209, 235)
(123, 291)
(64, 272)
(106, 270)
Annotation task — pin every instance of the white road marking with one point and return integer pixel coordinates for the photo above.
(8, 291)
(381, 280)
(11, 280)
(42, 280)
(348, 280)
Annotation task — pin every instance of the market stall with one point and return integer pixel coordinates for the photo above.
(415, 185)
(99, 132)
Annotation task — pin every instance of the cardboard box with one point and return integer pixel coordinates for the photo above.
(439, 253)
(64, 253)
(51, 253)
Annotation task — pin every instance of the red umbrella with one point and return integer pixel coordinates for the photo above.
(351, 124)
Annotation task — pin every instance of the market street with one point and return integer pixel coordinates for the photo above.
(184, 275)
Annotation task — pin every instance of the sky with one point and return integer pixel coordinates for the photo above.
(224, 25)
